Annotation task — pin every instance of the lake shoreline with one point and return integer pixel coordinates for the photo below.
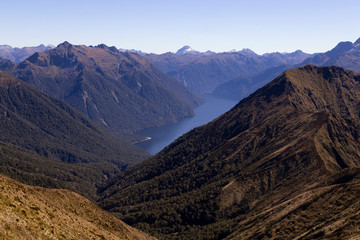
(164, 135)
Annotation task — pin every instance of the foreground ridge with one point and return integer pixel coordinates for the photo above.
(38, 213)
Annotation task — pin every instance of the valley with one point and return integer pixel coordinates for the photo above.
(229, 145)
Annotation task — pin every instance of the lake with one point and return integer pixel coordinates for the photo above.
(164, 135)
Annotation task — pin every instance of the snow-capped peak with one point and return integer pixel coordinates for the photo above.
(185, 50)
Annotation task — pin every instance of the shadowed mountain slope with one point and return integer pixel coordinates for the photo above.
(240, 88)
(46, 142)
(121, 91)
(292, 136)
(38, 213)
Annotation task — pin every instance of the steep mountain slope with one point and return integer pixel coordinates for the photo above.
(121, 91)
(292, 136)
(33, 124)
(345, 54)
(20, 54)
(329, 212)
(39, 213)
(202, 73)
(240, 88)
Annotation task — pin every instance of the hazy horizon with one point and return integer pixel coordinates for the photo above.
(165, 26)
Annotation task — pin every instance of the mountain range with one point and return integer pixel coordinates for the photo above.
(345, 54)
(284, 162)
(121, 91)
(20, 54)
(203, 72)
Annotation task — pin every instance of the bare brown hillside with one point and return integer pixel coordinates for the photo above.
(28, 212)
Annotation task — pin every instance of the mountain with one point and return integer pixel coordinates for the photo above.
(345, 54)
(287, 58)
(240, 88)
(38, 213)
(202, 73)
(139, 52)
(46, 142)
(284, 161)
(121, 91)
(187, 50)
(20, 54)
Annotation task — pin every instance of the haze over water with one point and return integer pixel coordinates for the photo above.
(163, 136)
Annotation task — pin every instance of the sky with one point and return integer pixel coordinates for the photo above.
(160, 26)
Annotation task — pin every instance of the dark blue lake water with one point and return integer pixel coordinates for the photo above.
(163, 136)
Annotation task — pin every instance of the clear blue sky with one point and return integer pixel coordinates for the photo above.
(166, 25)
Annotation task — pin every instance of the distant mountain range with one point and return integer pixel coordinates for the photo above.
(203, 72)
(20, 54)
(121, 91)
(284, 162)
(345, 54)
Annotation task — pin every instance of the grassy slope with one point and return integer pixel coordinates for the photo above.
(37, 213)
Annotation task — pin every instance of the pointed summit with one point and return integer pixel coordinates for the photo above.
(185, 50)
(64, 44)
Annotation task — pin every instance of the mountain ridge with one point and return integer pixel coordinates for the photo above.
(20, 54)
(203, 73)
(344, 54)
